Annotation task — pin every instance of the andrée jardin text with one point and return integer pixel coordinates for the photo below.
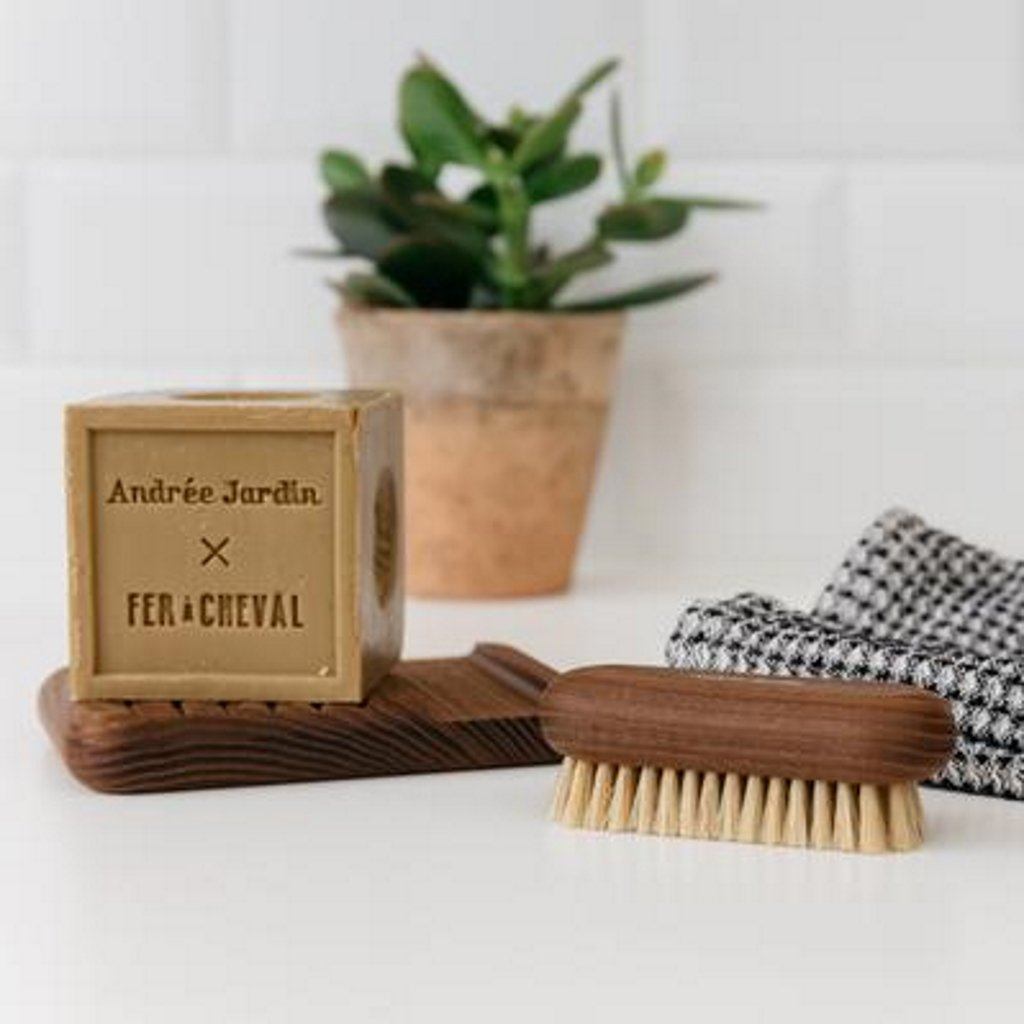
(158, 491)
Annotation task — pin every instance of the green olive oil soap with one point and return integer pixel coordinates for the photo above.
(234, 545)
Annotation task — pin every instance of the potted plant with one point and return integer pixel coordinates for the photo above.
(453, 300)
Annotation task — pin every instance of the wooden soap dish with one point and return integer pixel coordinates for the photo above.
(445, 714)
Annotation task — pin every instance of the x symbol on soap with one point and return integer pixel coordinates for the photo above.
(213, 551)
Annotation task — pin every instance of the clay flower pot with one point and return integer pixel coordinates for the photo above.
(504, 414)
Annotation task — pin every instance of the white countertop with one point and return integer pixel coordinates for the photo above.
(452, 897)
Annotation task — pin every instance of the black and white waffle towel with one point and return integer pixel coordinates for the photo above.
(910, 604)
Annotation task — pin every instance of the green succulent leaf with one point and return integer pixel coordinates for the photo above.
(519, 121)
(314, 253)
(711, 203)
(375, 290)
(658, 291)
(483, 197)
(562, 177)
(341, 169)
(551, 277)
(426, 211)
(643, 220)
(545, 137)
(619, 145)
(361, 221)
(437, 122)
(480, 249)
(426, 164)
(649, 168)
(646, 220)
(548, 137)
(475, 214)
(434, 272)
(505, 137)
(593, 77)
(403, 184)
(447, 226)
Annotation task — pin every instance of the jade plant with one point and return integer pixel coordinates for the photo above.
(416, 242)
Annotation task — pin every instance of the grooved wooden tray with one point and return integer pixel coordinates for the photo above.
(445, 714)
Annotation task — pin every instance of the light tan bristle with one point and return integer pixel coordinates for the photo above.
(600, 798)
(623, 798)
(667, 819)
(576, 802)
(729, 812)
(669, 802)
(647, 799)
(774, 812)
(707, 809)
(689, 803)
(562, 788)
(918, 811)
(844, 834)
(874, 836)
(904, 820)
(795, 825)
(822, 815)
(751, 811)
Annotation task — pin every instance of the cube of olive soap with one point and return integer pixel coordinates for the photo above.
(235, 545)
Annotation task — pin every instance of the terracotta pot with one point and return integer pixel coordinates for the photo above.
(505, 416)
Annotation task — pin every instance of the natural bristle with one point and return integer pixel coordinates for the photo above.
(706, 805)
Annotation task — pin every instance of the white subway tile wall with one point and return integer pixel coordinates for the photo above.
(864, 346)
(318, 71)
(780, 291)
(936, 260)
(178, 262)
(13, 251)
(899, 77)
(764, 475)
(111, 77)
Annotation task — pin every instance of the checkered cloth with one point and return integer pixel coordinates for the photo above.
(909, 604)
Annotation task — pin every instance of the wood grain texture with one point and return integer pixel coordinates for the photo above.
(752, 725)
(445, 714)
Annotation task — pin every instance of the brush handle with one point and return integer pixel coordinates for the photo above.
(754, 725)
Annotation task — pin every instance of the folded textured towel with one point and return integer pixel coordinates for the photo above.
(909, 604)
